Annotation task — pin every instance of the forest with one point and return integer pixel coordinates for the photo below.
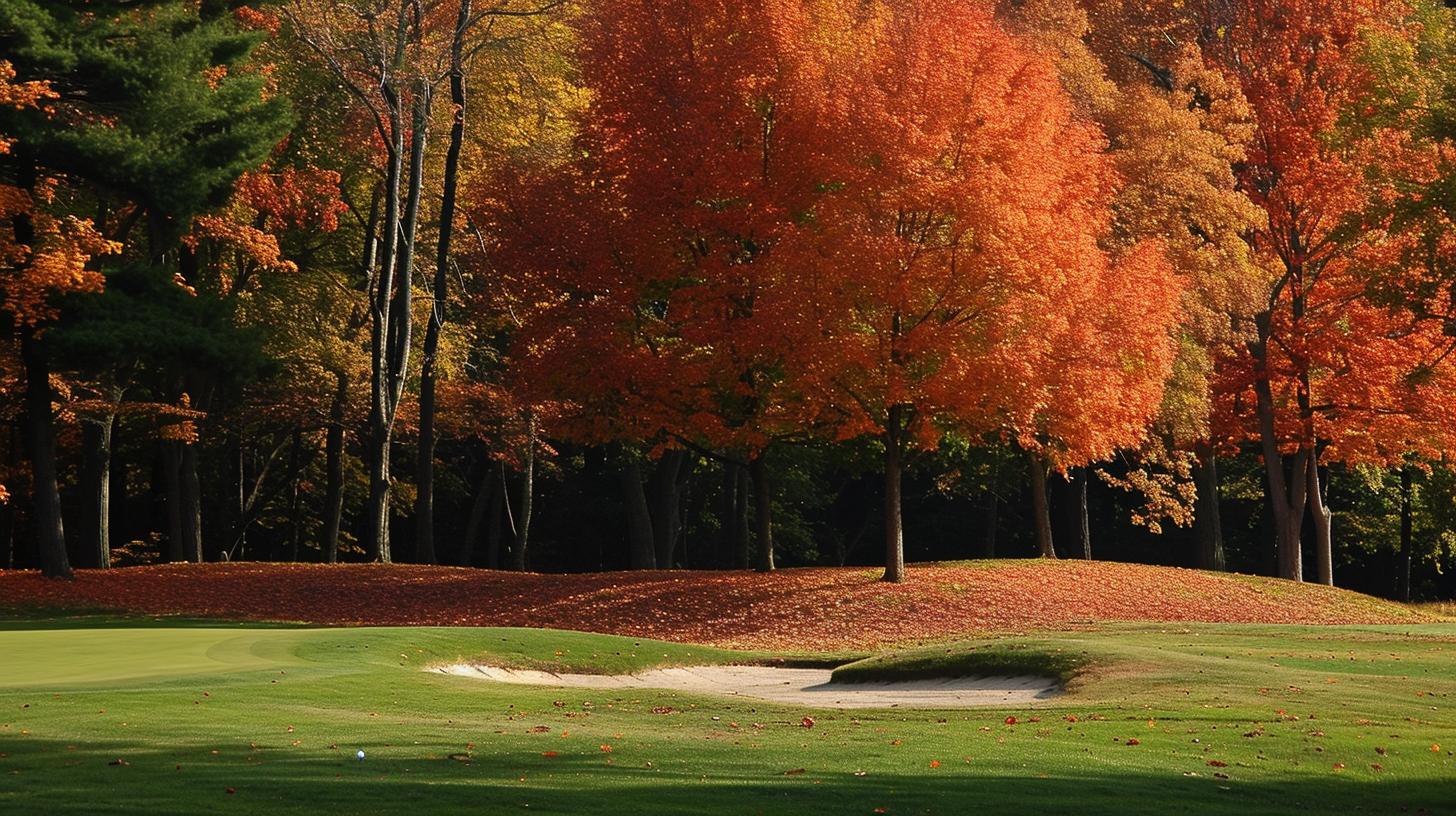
(579, 285)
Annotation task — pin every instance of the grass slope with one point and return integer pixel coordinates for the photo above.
(110, 716)
(817, 609)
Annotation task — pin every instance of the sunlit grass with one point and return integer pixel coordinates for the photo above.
(103, 716)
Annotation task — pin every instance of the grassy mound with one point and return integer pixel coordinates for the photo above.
(824, 610)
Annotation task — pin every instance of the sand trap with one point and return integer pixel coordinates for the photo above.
(811, 687)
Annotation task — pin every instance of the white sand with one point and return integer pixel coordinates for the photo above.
(811, 687)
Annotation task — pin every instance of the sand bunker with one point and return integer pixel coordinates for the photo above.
(810, 687)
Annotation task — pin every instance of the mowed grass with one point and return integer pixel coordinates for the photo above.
(106, 715)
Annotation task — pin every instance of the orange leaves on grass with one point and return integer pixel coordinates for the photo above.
(802, 609)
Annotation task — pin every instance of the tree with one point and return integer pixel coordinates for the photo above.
(669, 288)
(1176, 129)
(965, 244)
(378, 53)
(1332, 374)
(41, 258)
(155, 114)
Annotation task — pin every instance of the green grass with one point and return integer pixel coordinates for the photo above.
(996, 658)
(196, 709)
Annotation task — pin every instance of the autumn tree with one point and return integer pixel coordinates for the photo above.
(1333, 375)
(1176, 129)
(135, 130)
(645, 268)
(42, 257)
(965, 247)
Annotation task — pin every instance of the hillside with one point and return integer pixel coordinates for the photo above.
(795, 609)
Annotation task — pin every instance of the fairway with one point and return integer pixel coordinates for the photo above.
(118, 715)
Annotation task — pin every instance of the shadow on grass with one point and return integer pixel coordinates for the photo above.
(54, 778)
(57, 619)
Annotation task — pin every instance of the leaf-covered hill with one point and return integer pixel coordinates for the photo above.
(818, 609)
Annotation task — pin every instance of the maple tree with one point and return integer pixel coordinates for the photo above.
(975, 238)
(1176, 129)
(1330, 371)
(705, 275)
(675, 292)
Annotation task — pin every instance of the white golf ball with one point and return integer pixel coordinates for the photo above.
(360, 755)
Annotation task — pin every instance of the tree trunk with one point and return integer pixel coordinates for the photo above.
(295, 474)
(479, 507)
(191, 504)
(1289, 507)
(528, 490)
(379, 249)
(665, 506)
(695, 496)
(741, 549)
(425, 463)
(641, 554)
(991, 519)
(762, 512)
(50, 533)
(390, 339)
(96, 487)
(1041, 508)
(1286, 497)
(171, 464)
(1207, 516)
(496, 529)
(728, 516)
(894, 529)
(1079, 512)
(1323, 545)
(425, 475)
(1403, 568)
(241, 520)
(334, 465)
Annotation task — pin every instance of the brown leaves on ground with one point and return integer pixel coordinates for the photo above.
(821, 609)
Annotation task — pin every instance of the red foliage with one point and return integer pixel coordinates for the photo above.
(797, 609)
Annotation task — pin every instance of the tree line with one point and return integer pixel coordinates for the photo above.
(566, 284)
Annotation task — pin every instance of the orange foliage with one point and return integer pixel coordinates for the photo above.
(1349, 378)
(265, 204)
(54, 262)
(785, 219)
(293, 198)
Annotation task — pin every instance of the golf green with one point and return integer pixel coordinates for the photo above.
(116, 715)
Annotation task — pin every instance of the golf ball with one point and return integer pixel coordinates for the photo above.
(360, 755)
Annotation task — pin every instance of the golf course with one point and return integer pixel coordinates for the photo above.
(109, 709)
